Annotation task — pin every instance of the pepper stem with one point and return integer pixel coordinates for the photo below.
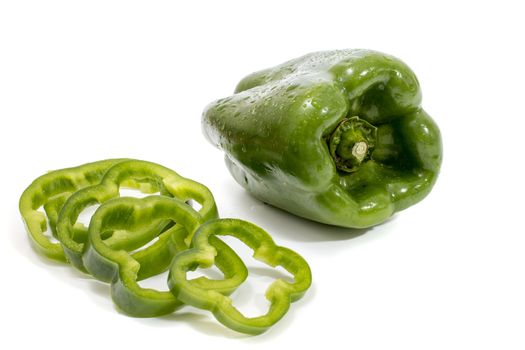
(359, 150)
(351, 143)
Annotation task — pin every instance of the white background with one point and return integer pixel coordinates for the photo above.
(87, 80)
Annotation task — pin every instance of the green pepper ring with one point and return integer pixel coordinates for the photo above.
(153, 177)
(123, 269)
(280, 293)
(51, 190)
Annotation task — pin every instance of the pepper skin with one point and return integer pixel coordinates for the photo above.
(50, 191)
(124, 268)
(338, 137)
(280, 293)
(153, 178)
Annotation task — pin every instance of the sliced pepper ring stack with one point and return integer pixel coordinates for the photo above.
(115, 248)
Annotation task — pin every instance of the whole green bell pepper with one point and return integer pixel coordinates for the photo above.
(338, 137)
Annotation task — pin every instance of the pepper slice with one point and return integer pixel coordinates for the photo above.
(338, 137)
(149, 175)
(280, 293)
(51, 191)
(123, 269)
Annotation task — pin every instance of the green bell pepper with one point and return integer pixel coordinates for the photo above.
(50, 191)
(338, 137)
(147, 176)
(280, 293)
(124, 268)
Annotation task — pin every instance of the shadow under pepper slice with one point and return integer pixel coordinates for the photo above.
(152, 178)
(203, 254)
(338, 137)
(123, 269)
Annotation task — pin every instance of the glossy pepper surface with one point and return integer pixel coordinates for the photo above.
(203, 254)
(125, 265)
(338, 137)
